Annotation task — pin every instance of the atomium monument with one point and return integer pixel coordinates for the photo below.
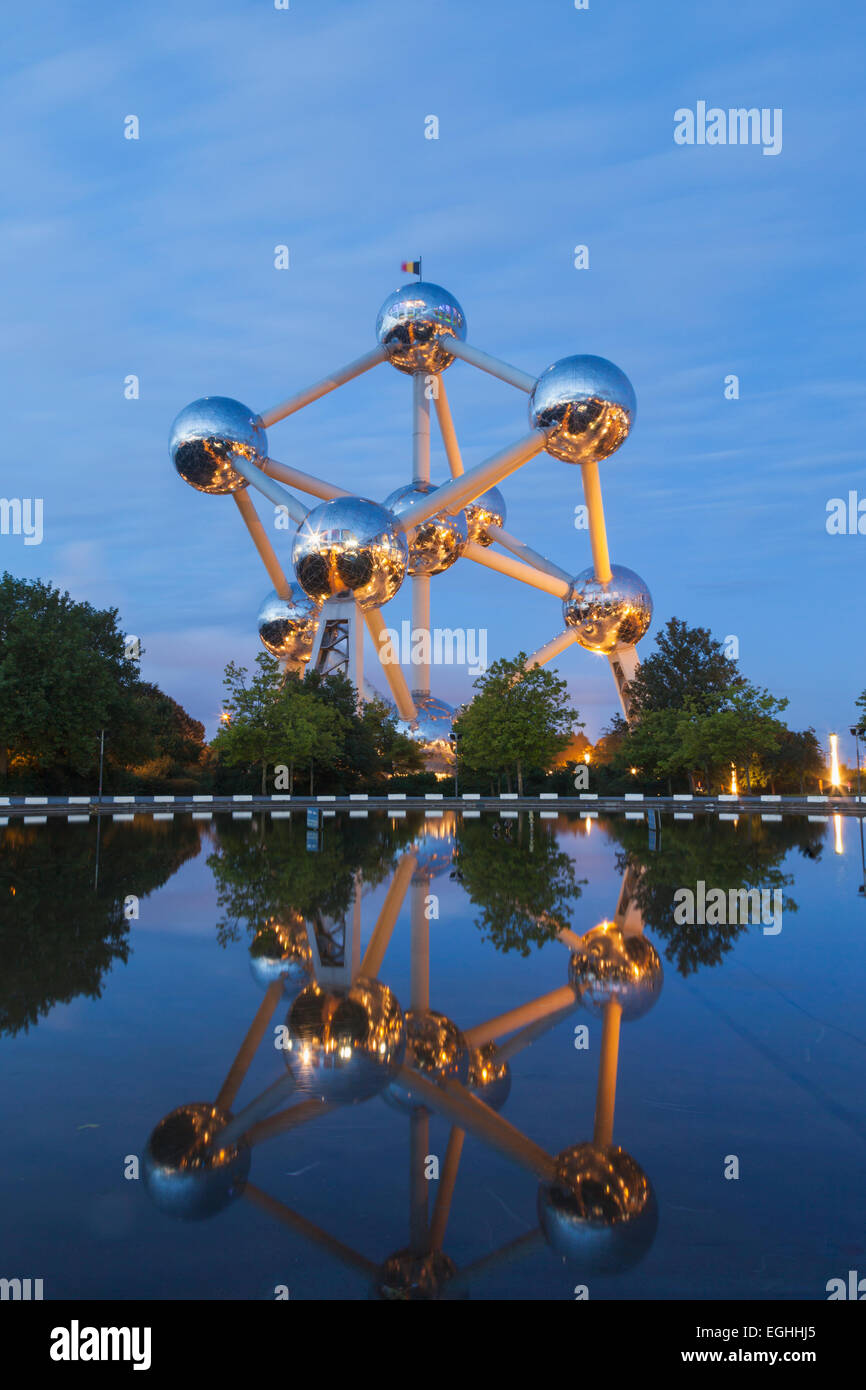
(350, 555)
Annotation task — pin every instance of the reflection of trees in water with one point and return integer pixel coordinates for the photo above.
(264, 871)
(521, 880)
(59, 936)
(723, 855)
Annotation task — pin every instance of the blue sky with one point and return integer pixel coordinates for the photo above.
(305, 127)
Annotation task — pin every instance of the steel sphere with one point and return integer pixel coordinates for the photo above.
(431, 726)
(287, 626)
(186, 1171)
(585, 405)
(436, 544)
(434, 853)
(345, 1046)
(414, 324)
(207, 435)
(350, 547)
(282, 951)
(437, 1050)
(600, 1209)
(412, 1276)
(612, 966)
(489, 1077)
(486, 510)
(606, 615)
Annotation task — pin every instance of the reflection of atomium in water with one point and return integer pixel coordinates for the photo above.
(437, 1050)
(282, 951)
(345, 556)
(186, 1170)
(611, 966)
(345, 1046)
(599, 1209)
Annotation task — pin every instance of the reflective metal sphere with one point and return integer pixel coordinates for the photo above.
(350, 547)
(345, 1046)
(437, 543)
(610, 965)
(586, 406)
(606, 614)
(431, 728)
(411, 1277)
(435, 853)
(413, 325)
(287, 626)
(282, 951)
(489, 1078)
(186, 1172)
(207, 435)
(486, 510)
(437, 1049)
(600, 1209)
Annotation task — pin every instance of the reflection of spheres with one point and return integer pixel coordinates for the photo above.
(346, 1045)
(185, 1170)
(412, 324)
(412, 1277)
(207, 435)
(350, 547)
(486, 510)
(434, 853)
(606, 614)
(437, 1049)
(287, 626)
(585, 405)
(282, 951)
(436, 544)
(489, 1078)
(599, 1209)
(610, 965)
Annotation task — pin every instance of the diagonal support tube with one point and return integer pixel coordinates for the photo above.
(261, 542)
(525, 552)
(446, 429)
(265, 485)
(450, 497)
(304, 482)
(476, 358)
(516, 569)
(551, 649)
(321, 388)
(392, 669)
(597, 529)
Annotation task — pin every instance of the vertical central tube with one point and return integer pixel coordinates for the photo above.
(419, 1122)
(606, 1095)
(420, 582)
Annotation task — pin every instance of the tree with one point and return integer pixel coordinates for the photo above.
(688, 664)
(860, 703)
(519, 719)
(796, 758)
(276, 719)
(63, 677)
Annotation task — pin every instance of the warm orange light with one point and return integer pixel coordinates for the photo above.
(586, 757)
(634, 772)
(835, 777)
(733, 780)
(837, 825)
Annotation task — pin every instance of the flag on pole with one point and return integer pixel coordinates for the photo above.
(412, 267)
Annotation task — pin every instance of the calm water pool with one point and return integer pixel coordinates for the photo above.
(746, 1052)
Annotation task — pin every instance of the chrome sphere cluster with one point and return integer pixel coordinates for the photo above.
(437, 1050)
